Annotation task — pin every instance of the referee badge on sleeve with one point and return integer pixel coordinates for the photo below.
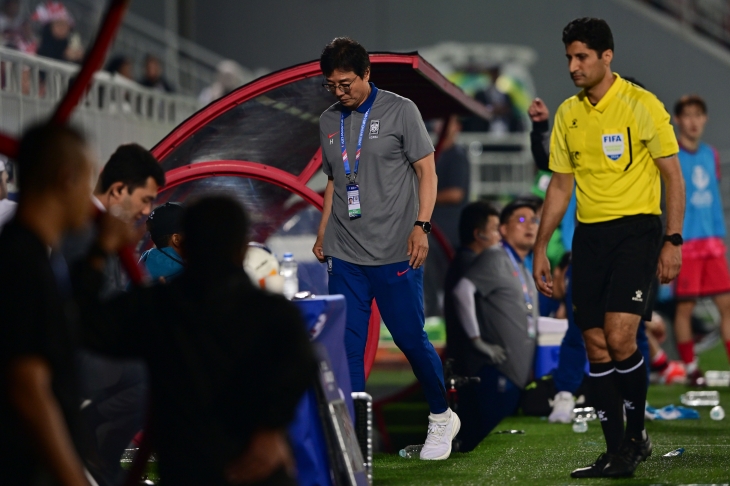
(613, 145)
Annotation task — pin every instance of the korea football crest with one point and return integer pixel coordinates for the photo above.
(613, 145)
(374, 128)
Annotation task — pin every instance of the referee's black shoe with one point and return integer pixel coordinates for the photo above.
(595, 470)
(630, 455)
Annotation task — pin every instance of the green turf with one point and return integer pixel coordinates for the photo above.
(548, 452)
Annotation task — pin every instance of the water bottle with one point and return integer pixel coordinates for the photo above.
(675, 453)
(580, 426)
(411, 452)
(717, 413)
(289, 272)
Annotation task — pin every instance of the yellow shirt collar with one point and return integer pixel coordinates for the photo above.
(603, 103)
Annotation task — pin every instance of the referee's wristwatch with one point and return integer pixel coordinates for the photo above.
(675, 239)
(425, 226)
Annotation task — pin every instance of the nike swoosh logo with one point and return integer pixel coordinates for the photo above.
(332, 134)
(400, 274)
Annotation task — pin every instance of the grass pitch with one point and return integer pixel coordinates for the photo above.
(547, 453)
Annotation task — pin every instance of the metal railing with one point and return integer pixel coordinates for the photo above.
(501, 165)
(709, 17)
(114, 111)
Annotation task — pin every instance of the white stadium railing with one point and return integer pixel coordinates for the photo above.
(115, 110)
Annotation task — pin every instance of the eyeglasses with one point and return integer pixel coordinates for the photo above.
(332, 88)
(523, 220)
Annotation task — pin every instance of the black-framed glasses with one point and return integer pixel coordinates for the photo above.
(332, 88)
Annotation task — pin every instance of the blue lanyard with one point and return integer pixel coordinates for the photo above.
(359, 145)
(525, 288)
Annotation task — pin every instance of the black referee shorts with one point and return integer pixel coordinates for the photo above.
(614, 268)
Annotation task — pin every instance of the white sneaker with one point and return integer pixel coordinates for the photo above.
(440, 434)
(563, 406)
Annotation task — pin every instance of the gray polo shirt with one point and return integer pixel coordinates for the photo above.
(502, 311)
(395, 137)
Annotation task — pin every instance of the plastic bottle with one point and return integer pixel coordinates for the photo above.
(717, 413)
(288, 270)
(708, 398)
(675, 453)
(580, 426)
(411, 452)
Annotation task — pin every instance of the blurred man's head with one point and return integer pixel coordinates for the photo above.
(560, 282)
(152, 68)
(165, 225)
(589, 49)
(56, 165)
(215, 233)
(518, 225)
(345, 65)
(690, 116)
(129, 182)
(479, 226)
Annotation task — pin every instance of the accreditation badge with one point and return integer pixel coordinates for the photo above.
(353, 201)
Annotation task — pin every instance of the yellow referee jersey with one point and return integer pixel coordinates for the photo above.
(610, 149)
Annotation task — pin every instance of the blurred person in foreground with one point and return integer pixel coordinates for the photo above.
(164, 262)
(115, 391)
(704, 270)
(496, 306)
(228, 362)
(613, 141)
(39, 400)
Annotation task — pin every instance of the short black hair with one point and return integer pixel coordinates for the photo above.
(594, 33)
(215, 229)
(131, 165)
(509, 209)
(474, 216)
(689, 100)
(43, 150)
(165, 221)
(533, 199)
(344, 54)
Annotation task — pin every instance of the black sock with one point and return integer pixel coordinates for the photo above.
(631, 379)
(605, 396)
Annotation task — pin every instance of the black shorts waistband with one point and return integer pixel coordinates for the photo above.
(634, 218)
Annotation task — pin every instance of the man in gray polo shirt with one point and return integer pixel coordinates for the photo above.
(496, 304)
(373, 235)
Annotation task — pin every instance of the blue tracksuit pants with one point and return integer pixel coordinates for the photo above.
(398, 291)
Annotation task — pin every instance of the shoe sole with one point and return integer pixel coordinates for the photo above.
(455, 430)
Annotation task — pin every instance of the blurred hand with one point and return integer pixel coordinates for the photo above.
(115, 234)
(495, 352)
(670, 261)
(318, 249)
(657, 327)
(541, 273)
(538, 111)
(417, 247)
(268, 452)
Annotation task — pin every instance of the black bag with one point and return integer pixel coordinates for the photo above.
(537, 395)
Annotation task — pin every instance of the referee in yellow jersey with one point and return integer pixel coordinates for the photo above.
(613, 140)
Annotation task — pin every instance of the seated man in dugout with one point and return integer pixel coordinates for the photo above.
(228, 362)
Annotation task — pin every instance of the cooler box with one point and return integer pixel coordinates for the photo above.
(325, 319)
(550, 333)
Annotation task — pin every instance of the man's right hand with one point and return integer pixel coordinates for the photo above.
(495, 352)
(318, 249)
(538, 111)
(542, 274)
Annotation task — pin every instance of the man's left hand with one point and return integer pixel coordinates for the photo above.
(417, 247)
(670, 261)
